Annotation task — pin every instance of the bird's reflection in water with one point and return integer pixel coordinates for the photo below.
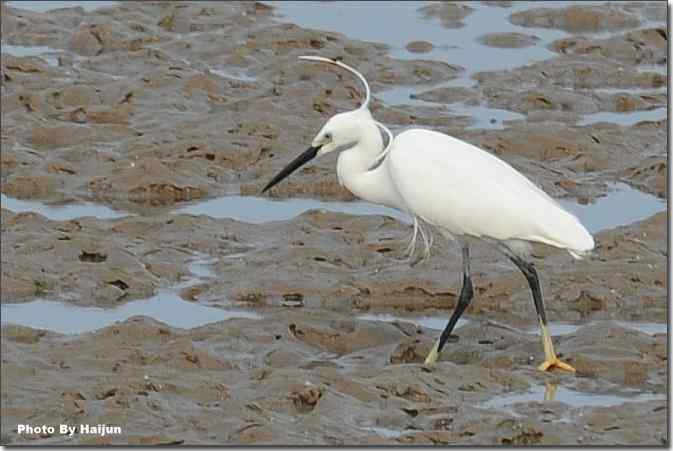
(550, 391)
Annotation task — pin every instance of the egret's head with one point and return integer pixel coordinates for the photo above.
(341, 131)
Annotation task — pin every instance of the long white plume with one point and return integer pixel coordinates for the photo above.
(322, 59)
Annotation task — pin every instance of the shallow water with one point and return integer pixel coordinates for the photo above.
(230, 72)
(403, 23)
(46, 53)
(661, 69)
(457, 46)
(258, 210)
(637, 91)
(560, 328)
(384, 432)
(624, 119)
(621, 206)
(572, 398)
(431, 322)
(166, 306)
(482, 117)
(556, 328)
(63, 212)
(46, 5)
(201, 268)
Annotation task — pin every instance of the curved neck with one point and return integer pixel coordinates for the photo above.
(360, 157)
(353, 170)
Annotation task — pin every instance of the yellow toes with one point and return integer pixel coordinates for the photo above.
(555, 363)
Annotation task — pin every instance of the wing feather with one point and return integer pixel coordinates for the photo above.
(466, 191)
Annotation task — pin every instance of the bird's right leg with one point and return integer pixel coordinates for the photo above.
(551, 360)
(464, 299)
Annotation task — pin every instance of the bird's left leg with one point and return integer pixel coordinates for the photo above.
(464, 299)
(551, 360)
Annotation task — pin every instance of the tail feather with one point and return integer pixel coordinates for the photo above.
(567, 232)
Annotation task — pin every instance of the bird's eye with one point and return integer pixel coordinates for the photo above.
(328, 136)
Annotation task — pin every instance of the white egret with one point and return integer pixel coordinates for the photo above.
(459, 189)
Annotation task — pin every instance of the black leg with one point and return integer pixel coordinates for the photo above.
(464, 299)
(528, 270)
(551, 361)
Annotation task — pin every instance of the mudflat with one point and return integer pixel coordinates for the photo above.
(146, 286)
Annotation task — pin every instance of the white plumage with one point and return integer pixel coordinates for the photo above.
(454, 186)
(463, 190)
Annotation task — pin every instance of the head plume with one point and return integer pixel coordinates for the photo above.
(336, 62)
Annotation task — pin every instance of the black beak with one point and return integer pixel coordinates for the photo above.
(295, 164)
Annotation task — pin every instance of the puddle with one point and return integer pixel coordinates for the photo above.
(46, 53)
(257, 210)
(431, 322)
(635, 91)
(572, 398)
(622, 205)
(555, 328)
(624, 119)
(482, 117)
(235, 74)
(166, 306)
(64, 212)
(560, 328)
(43, 6)
(645, 327)
(384, 432)
(404, 24)
(661, 69)
(604, 213)
(201, 269)
(456, 46)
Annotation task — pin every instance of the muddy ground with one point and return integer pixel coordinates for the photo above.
(152, 104)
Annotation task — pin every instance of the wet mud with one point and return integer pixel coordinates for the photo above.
(135, 140)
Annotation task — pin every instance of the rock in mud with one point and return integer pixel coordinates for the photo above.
(576, 18)
(508, 40)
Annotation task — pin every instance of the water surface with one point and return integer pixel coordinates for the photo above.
(64, 212)
(401, 22)
(398, 23)
(166, 306)
(572, 398)
(47, 5)
(622, 205)
(46, 53)
(560, 328)
(431, 322)
(624, 119)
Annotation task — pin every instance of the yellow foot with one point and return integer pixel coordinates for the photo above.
(433, 354)
(555, 363)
